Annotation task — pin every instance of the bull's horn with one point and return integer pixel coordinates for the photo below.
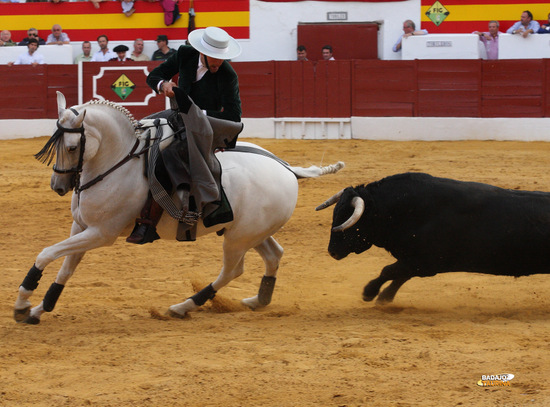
(359, 206)
(331, 201)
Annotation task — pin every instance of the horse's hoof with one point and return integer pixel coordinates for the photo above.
(174, 314)
(253, 303)
(31, 320)
(20, 315)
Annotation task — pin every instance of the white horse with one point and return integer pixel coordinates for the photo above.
(92, 141)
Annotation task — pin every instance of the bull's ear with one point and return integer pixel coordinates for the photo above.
(61, 103)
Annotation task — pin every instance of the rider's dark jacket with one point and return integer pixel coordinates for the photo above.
(217, 93)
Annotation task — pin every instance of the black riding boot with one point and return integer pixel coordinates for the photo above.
(145, 229)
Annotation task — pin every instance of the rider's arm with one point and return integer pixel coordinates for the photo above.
(163, 72)
(230, 97)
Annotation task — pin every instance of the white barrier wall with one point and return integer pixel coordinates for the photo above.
(443, 46)
(360, 128)
(516, 47)
(53, 54)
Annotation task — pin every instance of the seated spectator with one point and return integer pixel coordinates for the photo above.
(301, 53)
(5, 39)
(57, 36)
(327, 53)
(545, 27)
(525, 26)
(409, 28)
(137, 54)
(31, 57)
(164, 51)
(490, 39)
(128, 7)
(103, 55)
(32, 33)
(86, 55)
(121, 53)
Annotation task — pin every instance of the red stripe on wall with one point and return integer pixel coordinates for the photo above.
(108, 7)
(463, 27)
(126, 34)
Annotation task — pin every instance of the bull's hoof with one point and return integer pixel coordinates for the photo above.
(370, 291)
(383, 301)
(20, 315)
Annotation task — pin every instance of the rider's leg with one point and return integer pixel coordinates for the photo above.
(145, 228)
(172, 169)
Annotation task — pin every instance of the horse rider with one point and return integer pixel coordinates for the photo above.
(212, 85)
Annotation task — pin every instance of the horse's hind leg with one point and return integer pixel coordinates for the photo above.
(233, 267)
(271, 252)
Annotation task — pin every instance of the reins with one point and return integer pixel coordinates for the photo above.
(78, 169)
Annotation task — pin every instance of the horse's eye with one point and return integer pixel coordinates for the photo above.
(72, 149)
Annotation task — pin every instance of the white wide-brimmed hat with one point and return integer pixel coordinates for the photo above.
(214, 42)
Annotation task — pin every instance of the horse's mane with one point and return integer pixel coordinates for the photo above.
(116, 106)
(48, 151)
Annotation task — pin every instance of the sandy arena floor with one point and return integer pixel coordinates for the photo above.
(317, 344)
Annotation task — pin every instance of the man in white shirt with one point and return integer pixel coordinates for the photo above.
(31, 57)
(525, 26)
(103, 55)
(409, 28)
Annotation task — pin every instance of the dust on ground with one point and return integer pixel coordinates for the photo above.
(108, 342)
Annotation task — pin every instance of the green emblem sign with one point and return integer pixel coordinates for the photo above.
(123, 86)
(437, 13)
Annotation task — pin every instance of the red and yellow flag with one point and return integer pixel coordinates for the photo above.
(81, 21)
(466, 16)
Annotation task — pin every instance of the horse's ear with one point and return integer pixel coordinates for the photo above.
(61, 103)
(80, 118)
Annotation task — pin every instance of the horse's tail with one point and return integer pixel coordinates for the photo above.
(314, 171)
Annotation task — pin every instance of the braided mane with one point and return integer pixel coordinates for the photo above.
(118, 107)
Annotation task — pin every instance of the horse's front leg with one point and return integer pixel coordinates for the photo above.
(73, 248)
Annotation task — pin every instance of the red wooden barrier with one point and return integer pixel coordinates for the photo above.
(312, 89)
(514, 88)
(449, 87)
(387, 89)
(422, 88)
(257, 88)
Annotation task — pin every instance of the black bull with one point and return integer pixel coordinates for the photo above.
(437, 225)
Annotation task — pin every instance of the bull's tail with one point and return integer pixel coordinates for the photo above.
(314, 171)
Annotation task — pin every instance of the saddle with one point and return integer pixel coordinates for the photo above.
(188, 162)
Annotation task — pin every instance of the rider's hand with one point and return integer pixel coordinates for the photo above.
(166, 88)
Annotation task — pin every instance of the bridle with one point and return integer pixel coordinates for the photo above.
(78, 169)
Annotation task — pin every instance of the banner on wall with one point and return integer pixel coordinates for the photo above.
(82, 21)
(466, 16)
